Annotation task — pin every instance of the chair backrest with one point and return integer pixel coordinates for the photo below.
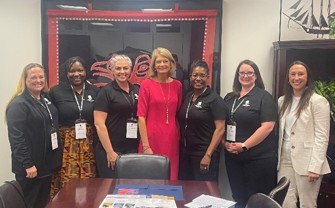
(143, 166)
(260, 200)
(11, 195)
(280, 191)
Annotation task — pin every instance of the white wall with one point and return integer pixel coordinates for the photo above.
(249, 28)
(20, 39)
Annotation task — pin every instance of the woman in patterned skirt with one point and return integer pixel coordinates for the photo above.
(75, 100)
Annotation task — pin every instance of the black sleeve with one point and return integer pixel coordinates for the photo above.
(16, 115)
(219, 110)
(102, 100)
(268, 108)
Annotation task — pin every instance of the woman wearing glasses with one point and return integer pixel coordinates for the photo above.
(202, 122)
(250, 143)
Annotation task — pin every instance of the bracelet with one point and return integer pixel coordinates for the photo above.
(145, 149)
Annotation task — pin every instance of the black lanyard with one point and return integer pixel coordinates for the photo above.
(190, 104)
(131, 101)
(80, 107)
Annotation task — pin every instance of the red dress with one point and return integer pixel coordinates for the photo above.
(159, 103)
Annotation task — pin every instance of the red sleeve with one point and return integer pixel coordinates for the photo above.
(143, 99)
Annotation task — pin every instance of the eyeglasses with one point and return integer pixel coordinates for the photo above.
(202, 76)
(248, 74)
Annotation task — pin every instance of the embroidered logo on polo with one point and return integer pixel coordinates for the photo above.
(198, 105)
(246, 104)
(89, 98)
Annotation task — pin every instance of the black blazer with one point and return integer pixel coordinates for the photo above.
(29, 132)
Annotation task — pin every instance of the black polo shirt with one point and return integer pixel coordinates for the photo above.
(200, 121)
(62, 97)
(257, 106)
(119, 106)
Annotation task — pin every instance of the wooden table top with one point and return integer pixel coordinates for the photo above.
(89, 193)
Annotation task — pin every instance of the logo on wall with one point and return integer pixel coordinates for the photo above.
(102, 75)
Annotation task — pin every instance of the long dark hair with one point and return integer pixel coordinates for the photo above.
(237, 85)
(288, 90)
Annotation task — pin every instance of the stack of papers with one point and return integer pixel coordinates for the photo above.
(206, 201)
(136, 201)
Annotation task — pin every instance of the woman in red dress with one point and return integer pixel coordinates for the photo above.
(160, 97)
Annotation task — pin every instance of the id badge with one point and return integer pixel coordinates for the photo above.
(54, 140)
(132, 129)
(80, 129)
(231, 131)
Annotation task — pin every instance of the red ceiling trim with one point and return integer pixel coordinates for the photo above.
(178, 15)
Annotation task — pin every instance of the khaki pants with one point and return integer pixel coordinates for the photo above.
(300, 188)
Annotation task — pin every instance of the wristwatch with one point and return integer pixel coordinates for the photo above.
(245, 148)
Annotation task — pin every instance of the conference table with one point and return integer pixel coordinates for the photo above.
(89, 193)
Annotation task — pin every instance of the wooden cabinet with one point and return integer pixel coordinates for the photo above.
(319, 55)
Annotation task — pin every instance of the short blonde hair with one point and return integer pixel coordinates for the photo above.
(165, 53)
(21, 85)
(118, 57)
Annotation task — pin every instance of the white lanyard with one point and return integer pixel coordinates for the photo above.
(232, 108)
(45, 106)
(80, 107)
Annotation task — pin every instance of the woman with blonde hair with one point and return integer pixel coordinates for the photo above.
(115, 117)
(160, 97)
(33, 135)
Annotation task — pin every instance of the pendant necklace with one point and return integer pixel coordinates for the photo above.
(166, 100)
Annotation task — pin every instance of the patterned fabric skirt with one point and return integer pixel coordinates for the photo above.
(78, 158)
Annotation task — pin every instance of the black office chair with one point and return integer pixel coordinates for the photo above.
(143, 166)
(280, 191)
(11, 195)
(260, 200)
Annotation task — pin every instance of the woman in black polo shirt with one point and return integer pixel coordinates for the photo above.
(74, 100)
(250, 143)
(202, 122)
(115, 117)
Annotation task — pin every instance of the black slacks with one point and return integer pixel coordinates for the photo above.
(36, 190)
(189, 168)
(248, 177)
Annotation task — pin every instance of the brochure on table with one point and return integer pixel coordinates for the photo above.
(164, 190)
(137, 201)
(206, 201)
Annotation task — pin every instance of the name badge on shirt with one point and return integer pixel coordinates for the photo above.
(54, 141)
(132, 127)
(80, 129)
(231, 131)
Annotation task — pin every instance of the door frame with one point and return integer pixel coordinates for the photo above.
(209, 16)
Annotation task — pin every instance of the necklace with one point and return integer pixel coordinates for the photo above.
(166, 101)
